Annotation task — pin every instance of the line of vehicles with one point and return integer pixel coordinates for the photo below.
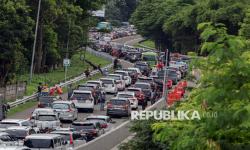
(132, 88)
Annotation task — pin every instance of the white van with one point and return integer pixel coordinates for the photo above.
(45, 142)
(83, 99)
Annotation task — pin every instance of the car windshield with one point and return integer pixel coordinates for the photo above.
(41, 111)
(46, 99)
(134, 90)
(38, 143)
(114, 77)
(145, 80)
(82, 96)
(8, 124)
(60, 106)
(121, 73)
(117, 102)
(96, 83)
(84, 126)
(46, 117)
(142, 86)
(17, 133)
(107, 81)
(65, 136)
(125, 96)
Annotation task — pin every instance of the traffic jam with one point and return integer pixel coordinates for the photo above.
(95, 107)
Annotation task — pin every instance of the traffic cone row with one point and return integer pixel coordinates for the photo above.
(177, 93)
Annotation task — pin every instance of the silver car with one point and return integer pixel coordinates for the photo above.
(66, 110)
(47, 121)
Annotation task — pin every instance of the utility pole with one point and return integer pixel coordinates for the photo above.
(165, 88)
(34, 45)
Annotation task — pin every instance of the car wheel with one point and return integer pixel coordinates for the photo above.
(92, 110)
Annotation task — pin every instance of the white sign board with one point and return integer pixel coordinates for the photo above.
(99, 13)
(66, 62)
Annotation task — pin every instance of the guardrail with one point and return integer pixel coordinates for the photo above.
(63, 84)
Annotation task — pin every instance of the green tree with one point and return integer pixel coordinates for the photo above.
(225, 88)
(15, 30)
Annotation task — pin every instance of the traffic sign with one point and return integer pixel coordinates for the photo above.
(66, 62)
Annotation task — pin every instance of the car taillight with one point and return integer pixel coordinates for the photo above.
(104, 125)
(93, 132)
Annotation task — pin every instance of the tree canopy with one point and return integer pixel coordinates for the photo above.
(172, 23)
(62, 24)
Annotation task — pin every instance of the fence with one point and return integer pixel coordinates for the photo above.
(13, 91)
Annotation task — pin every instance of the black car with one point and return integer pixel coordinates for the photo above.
(146, 88)
(148, 80)
(144, 67)
(45, 101)
(90, 128)
(172, 75)
(132, 56)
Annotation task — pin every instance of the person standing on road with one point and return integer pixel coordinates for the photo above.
(87, 73)
(100, 69)
(115, 63)
(39, 90)
(102, 102)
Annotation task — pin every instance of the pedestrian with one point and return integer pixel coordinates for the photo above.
(39, 90)
(102, 102)
(115, 63)
(70, 91)
(100, 69)
(105, 72)
(87, 73)
(5, 108)
(45, 90)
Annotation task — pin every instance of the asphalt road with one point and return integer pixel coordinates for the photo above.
(25, 114)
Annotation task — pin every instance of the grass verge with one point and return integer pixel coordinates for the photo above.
(22, 107)
(77, 67)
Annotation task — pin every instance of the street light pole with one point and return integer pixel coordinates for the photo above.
(34, 45)
(165, 89)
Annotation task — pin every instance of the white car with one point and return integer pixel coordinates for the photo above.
(109, 85)
(47, 121)
(83, 99)
(130, 96)
(45, 142)
(66, 110)
(4, 124)
(41, 110)
(72, 138)
(96, 82)
(120, 83)
(5, 147)
(126, 76)
(137, 70)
